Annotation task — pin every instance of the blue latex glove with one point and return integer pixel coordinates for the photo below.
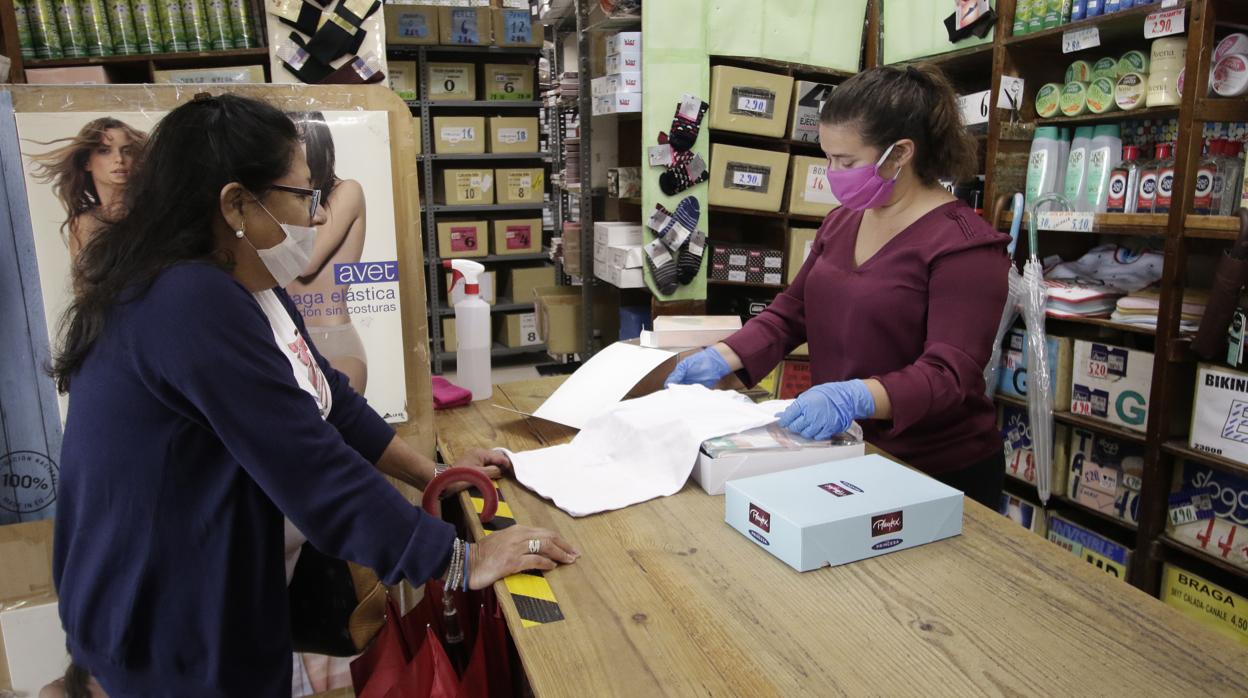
(706, 367)
(827, 410)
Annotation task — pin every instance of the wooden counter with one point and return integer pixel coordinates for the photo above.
(669, 600)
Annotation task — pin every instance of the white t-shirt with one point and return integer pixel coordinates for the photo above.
(308, 375)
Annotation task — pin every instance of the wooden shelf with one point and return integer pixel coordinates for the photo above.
(729, 210)
(745, 284)
(960, 61)
(1102, 322)
(1175, 546)
(240, 56)
(1098, 426)
(1148, 224)
(1010, 400)
(1085, 509)
(1211, 227)
(1221, 109)
(1180, 449)
(1148, 113)
(1114, 28)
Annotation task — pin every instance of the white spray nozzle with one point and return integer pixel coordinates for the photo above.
(467, 270)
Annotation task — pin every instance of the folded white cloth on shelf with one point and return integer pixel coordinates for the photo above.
(1119, 268)
(639, 449)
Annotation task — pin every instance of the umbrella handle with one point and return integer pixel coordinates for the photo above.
(1016, 224)
(476, 478)
(1032, 239)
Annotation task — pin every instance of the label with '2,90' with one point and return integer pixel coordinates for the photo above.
(740, 175)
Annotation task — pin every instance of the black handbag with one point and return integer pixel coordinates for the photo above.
(336, 607)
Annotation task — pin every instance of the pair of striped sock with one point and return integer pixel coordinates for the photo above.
(675, 255)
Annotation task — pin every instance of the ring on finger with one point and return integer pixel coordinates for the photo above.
(535, 546)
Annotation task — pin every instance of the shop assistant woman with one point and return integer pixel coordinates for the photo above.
(901, 295)
(200, 415)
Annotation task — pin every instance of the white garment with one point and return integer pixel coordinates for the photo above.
(309, 376)
(639, 449)
(1118, 268)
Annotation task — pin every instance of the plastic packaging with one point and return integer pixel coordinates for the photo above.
(1131, 91)
(1074, 100)
(1147, 191)
(1132, 62)
(24, 39)
(1106, 67)
(472, 330)
(1079, 71)
(1093, 8)
(1063, 155)
(1168, 54)
(95, 23)
(195, 20)
(1048, 100)
(147, 26)
(1230, 76)
(1101, 96)
(240, 23)
(1163, 90)
(1013, 297)
(172, 28)
(1233, 43)
(1124, 182)
(121, 25)
(1233, 182)
(1077, 169)
(1104, 155)
(69, 24)
(220, 32)
(1039, 373)
(1043, 163)
(46, 38)
(1165, 178)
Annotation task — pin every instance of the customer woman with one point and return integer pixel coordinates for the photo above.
(89, 175)
(901, 295)
(339, 240)
(201, 415)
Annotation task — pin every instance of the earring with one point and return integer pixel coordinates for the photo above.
(239, 233)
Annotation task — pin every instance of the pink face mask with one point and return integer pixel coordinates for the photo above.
(861, 188)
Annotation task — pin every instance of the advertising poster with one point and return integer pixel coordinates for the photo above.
(77, 164)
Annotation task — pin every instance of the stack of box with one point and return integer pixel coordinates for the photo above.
(513, 134)
(452, 82)
(515, 330)
(809, 192)
(1107, 555)
(468, 187)
(1111, 383)
(1012, 378)
(521, 185)
(747, 264)
(618, 254)
(624, 182)
(463, 239)
(749, 101)
(1020, 456)
(465, 26)
(514, 26)
(800, 242)
(1106, 474)
(808, 99)
(522, 282)
(747, 177)
(459, 134)
(517, 236)
(619, 91)
(402, 79)
(408, 25)
(509, 81)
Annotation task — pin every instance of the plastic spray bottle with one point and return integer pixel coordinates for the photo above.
(472, 330)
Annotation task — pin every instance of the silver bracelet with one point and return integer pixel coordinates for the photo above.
(455, 570)
(439, 468)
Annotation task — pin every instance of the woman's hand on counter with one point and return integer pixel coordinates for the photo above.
(493, 464)
(508, 552)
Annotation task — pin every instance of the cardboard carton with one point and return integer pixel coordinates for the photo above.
(749, 101)
(459, 134)
(412, 25)
(517, 236)
(462, 239)
(452, 81)
(747, 177)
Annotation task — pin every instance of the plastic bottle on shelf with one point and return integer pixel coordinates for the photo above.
(1076, 177)
(472, 330)
(1124, 182)
(1043, 163)
(1207, 189)
(1233, 180)
(1104, 155)
(1165, 178)
(1063, 155)
(1078, 10)
(1147, 191)
(1094, 8)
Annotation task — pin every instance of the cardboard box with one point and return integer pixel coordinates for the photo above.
(449, 341)
(1024, 513)
(513, 134)
(517, 236)
(1012, 378)
(1109, 556)
(459, 134)
(619, 276)
(749, 101)
(624, 44)
(402, 78)
(488, 290)
(619, 63)
(560, 320)
(1106, 474)
(518, 330)
(521, 282)
(26, 549)
(508, 81)
(687, 331)
(765, 450)
(624, 182)
(1020, 457)
(521, 185)
(1111, 383)
(32, 645)
(617, 103)
(841, 512)
(618, 233)
(515, 27)
(238, 75)
(624, 256)
(808, 99)
(79, 75)
(1208, 511)
(412, 25)
(462, 239)
(1213, 606)
(452, 81)
(800, 241)
(795, 378)
(571, 243)
(1220, 413)
(809, 193)
(465, 26)
(747, 177)
(472, 187)
(629, 82)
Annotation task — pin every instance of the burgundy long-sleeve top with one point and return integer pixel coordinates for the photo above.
(920, 316)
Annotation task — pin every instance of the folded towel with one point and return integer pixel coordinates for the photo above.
(446, 394)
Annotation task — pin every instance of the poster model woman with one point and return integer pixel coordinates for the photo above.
(89, 174)
(339, 240)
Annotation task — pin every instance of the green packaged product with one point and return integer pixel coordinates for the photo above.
(1101, 96)
(195, 19)
(24, 40)
(1035, 17)
(1074, 100)
(147, 26)
(1133, 62)
(41, 15)
(220, 33)
(240, 21)
(1047, 100)
(69, 24)
(121, 25)
(172, 29)
(1057, 13)
(95, 23)
(1079, 71)
(1022, 12)
(1105, 68)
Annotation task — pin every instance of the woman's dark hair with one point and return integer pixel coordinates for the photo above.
(319, 146)
(172, 204)
(887, 104)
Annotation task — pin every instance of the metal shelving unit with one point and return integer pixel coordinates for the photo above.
(424, 108)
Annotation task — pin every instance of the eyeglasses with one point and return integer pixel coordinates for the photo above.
(313, 203)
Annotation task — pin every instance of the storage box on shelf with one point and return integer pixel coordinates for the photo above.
(1105, 554)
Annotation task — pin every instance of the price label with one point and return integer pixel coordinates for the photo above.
(457, 135)
(528, 329)
(1080, 39)
(754, 105)
(1182, 515)
(1169, 3)
(974, 107)
(1160, 24)
(747, 179)
(1068, 221)
(1098, 369)
(1081, 407)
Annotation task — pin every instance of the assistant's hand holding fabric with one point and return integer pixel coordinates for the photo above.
(706, 368)
(828, 409)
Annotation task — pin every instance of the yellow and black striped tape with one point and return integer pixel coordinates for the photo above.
(535, 600)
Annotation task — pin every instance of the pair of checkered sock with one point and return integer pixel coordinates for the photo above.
(675, 255)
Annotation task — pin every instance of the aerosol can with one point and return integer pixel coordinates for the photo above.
(472, 330)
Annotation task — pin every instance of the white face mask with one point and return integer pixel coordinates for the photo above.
(288, 259)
